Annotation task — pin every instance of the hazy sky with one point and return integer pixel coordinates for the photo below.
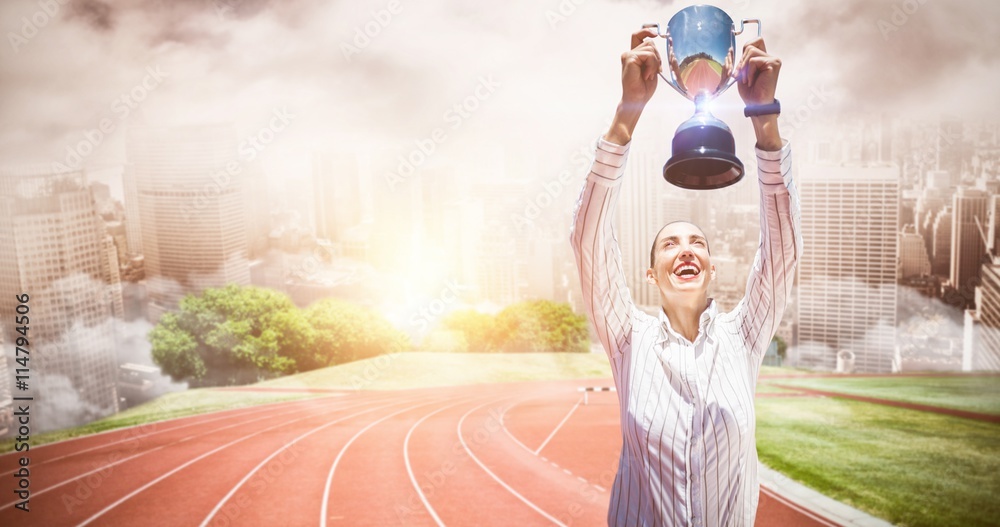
(547, 71)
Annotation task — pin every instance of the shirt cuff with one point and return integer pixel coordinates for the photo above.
(774, 167)
(609, 162)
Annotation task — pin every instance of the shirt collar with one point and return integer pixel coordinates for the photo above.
(706, 319)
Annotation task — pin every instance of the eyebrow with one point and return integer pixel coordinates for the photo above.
(675, 238)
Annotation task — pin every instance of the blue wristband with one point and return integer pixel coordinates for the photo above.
(762, 109)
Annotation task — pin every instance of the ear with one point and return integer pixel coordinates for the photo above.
(713, 271)
(650, 276)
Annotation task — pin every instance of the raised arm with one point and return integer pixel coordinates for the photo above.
(598, 257)
(772, 274)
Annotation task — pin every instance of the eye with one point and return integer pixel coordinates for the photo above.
(699, 242)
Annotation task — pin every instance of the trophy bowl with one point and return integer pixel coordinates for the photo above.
(701, 43)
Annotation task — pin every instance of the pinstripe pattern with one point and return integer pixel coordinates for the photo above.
(687, 415)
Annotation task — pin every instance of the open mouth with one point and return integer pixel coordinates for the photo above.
(687, 271)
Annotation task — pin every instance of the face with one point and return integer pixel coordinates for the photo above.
(681, 260)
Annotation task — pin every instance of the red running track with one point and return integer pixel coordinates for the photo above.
(501, 454)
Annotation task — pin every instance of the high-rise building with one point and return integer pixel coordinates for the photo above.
(337, 200)
(968, 233)
(948, 151)
(56, 251)
(913, 259)
(640, 216)
(941, 243)
(982, 324)
(847, 274)
(190, 196)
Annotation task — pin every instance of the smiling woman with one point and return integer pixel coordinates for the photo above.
(686, 377)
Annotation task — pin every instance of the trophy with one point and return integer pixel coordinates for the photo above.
(700, 48)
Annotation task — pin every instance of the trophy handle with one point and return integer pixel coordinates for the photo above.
(666, 79)
(743, 23)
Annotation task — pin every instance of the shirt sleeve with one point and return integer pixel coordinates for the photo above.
(769, 285)
(598, 257)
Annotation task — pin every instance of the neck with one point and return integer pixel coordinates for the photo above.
(684, 313)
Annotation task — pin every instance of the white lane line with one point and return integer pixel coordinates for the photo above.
(503, 415)
(250, 474)
(151, 423)
(185, 465)
(329, 478)
(561, 423)
(409, 466)
(494, 476)
(120, 461)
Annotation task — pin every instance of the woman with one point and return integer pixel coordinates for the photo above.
(686, 378)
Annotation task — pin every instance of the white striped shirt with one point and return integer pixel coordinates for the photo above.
(688, 455)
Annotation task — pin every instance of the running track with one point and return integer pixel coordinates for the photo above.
(502, 454)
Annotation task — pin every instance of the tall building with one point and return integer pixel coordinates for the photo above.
(982, 324)
(913, 259)
(640, 216)
(941, 243)
(56, 250)
(968, 233)
(337, 199)
(190, 197)
(949, 151)
(847, 274)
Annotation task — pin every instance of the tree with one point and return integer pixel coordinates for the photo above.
(233, 335)
(479, 329)
(782, 347)
(542, 325)
(346, 332)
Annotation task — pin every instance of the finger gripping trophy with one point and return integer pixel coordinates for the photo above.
(700, 44)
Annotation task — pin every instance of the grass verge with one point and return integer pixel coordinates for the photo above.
(912, 468)
(971, 393)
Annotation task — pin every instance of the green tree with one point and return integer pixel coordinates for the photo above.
(542, 325)
(346, 332)
(479, 329)
(782, 346)
(233, 335)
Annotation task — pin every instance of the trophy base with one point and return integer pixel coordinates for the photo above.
(704, 154)
(703, 169)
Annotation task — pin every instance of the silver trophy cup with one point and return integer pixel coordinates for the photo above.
(701, 43)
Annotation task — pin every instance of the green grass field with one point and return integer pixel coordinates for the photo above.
(971, 393)
(911, 468)
(402, 371)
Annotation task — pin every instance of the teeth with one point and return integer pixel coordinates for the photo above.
(688, 267)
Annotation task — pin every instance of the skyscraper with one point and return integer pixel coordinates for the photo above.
(640, 216)
(189, 191)
(913, 260)
(847, 274)
(56, 250)
(941, 243)
(968, 233)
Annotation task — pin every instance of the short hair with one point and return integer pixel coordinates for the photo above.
(652, 250)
